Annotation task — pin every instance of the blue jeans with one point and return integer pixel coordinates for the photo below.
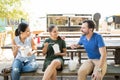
(18, 67)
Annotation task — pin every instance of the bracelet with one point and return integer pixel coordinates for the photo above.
(99, 70)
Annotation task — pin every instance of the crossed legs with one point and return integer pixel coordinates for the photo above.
(51, 71)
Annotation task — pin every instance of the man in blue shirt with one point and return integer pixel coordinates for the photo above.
(96, 51)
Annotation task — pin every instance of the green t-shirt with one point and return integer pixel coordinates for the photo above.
(50, 51)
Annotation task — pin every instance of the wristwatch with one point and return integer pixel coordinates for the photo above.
(99, 70)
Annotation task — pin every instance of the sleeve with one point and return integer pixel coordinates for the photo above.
(43, 43)
(63, 44)
(16, 40)
(100, 41)
(80, 41)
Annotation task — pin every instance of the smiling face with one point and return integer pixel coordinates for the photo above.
(26, 33)
(85, 29)
(54, 32)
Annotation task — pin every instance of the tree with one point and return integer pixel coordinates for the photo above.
(11, 9)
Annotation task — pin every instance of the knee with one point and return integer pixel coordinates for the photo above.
(81, 72)
(34, 65)
(55, 63)
(15, 70)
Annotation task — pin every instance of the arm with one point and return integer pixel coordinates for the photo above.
(97, 74)
(102, 50)
(64, 50)
(44, 50)
(62, 54)
(73, 46)
(103, 56)
(34, 47)
(14, 48)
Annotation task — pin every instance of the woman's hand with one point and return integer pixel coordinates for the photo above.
(63, 37)
(31, 53)
(60, 54)
(15, 50)
(15, 47)
(57, 54)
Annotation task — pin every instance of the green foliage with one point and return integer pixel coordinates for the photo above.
(2, 29)
(11, 9)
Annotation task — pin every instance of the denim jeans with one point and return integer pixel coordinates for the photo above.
(19, 67)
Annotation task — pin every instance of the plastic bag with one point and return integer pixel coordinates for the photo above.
(72, 65)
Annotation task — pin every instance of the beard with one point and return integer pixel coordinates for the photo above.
(84, 33)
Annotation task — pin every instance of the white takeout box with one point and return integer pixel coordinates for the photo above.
(56, 48)
(25, 50)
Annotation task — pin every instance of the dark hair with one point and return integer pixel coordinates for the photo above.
(50, 28)
(21, 28)
(91, 24)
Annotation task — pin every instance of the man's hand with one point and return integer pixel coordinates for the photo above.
(74, 46)
(97, 75)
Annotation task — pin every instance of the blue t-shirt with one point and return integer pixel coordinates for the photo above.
(92, 46)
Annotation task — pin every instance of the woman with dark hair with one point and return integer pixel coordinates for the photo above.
(24, 49)
(54, 48)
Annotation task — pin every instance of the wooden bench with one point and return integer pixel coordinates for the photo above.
(43, 58)
(111, 71)
(79, 51)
